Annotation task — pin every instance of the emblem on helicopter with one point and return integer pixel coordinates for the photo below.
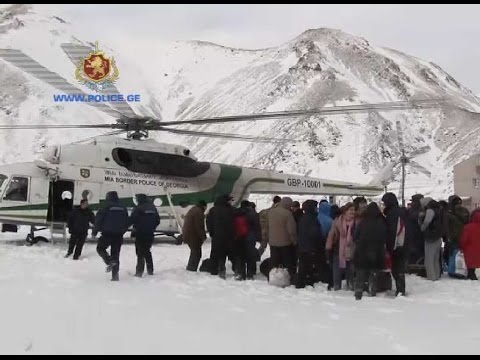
(85, 173)
(96, 70)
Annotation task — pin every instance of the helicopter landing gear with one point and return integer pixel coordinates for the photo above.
(32, 239)
(178, 239)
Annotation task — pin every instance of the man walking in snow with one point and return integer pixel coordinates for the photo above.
(145, 220)
(112, 221)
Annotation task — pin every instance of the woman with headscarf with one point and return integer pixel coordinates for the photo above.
(340, 245)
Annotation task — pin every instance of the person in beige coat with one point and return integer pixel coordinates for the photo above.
(194, 233)
(282, 235)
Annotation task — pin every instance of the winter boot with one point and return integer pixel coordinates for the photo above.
(138, 274)
(68, 254)
(115, 277)
(222, 274)
(358, 295)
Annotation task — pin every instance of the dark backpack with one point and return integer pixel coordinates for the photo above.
(240, 225)
(435, 231)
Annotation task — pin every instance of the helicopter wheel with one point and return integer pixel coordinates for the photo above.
(35, 240)
(179, 240)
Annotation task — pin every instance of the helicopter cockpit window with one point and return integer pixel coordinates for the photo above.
(17, 189)
(150, 162)
(2, 179)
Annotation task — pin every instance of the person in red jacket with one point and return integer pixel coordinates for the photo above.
(470, 244)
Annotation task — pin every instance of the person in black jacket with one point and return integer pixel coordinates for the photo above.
(245, 252)
(145, 220)
(413, 234)
(369, 255)
(297, 212)
(310, 243)
(220, 227)
(78, 224)
(393, 218)
(112, 221)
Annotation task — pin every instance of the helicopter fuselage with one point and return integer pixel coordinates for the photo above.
(37, 193)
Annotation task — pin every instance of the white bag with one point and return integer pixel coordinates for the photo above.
(279, 277)
(460, 264)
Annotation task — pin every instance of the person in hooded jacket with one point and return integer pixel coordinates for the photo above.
(194, 233)
(369, 255)
(311, 242)
(297, 212)
(470, 244)
(324, 218)
(335, 211)
(282, 232)
(458, 217)
(414, 248)
(395, 240)
(112, 221)
(78, 224)
(221, 229)
(431, 225)
(145, 220)
(360, 204)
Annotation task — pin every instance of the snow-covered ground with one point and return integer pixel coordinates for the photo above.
(54, 305)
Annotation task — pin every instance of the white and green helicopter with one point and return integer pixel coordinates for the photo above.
(40, 193)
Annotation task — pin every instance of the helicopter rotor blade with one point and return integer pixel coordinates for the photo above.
(109, 133)
(226, 136)
(331, 110)
(416, 166)
(77, 53)
(32, 67)
(419, 151)
(66, 126)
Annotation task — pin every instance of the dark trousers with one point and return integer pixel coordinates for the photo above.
(361, 277)
(306, 268)
(245, 258)
(195, 256)
(218, 257)
(446, 251)
(471, 274)
(143, 245)
(75, 245)
(115, 244)
(283, 256)
(338, 273)
(398, 269)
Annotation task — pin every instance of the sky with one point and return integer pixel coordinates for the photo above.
(445, 34)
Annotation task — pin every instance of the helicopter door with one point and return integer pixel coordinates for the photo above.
(60, 200)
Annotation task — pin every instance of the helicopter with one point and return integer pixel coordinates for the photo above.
(40, 193)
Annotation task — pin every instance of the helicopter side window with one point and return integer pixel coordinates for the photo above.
(150, 162)
(17, 189)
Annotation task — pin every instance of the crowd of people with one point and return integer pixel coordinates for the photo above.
(357, 243)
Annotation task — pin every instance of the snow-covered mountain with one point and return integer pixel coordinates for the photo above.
(182, 80)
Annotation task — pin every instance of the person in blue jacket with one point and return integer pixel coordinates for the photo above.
(145, 220)
(112, 221)
(324, 217)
